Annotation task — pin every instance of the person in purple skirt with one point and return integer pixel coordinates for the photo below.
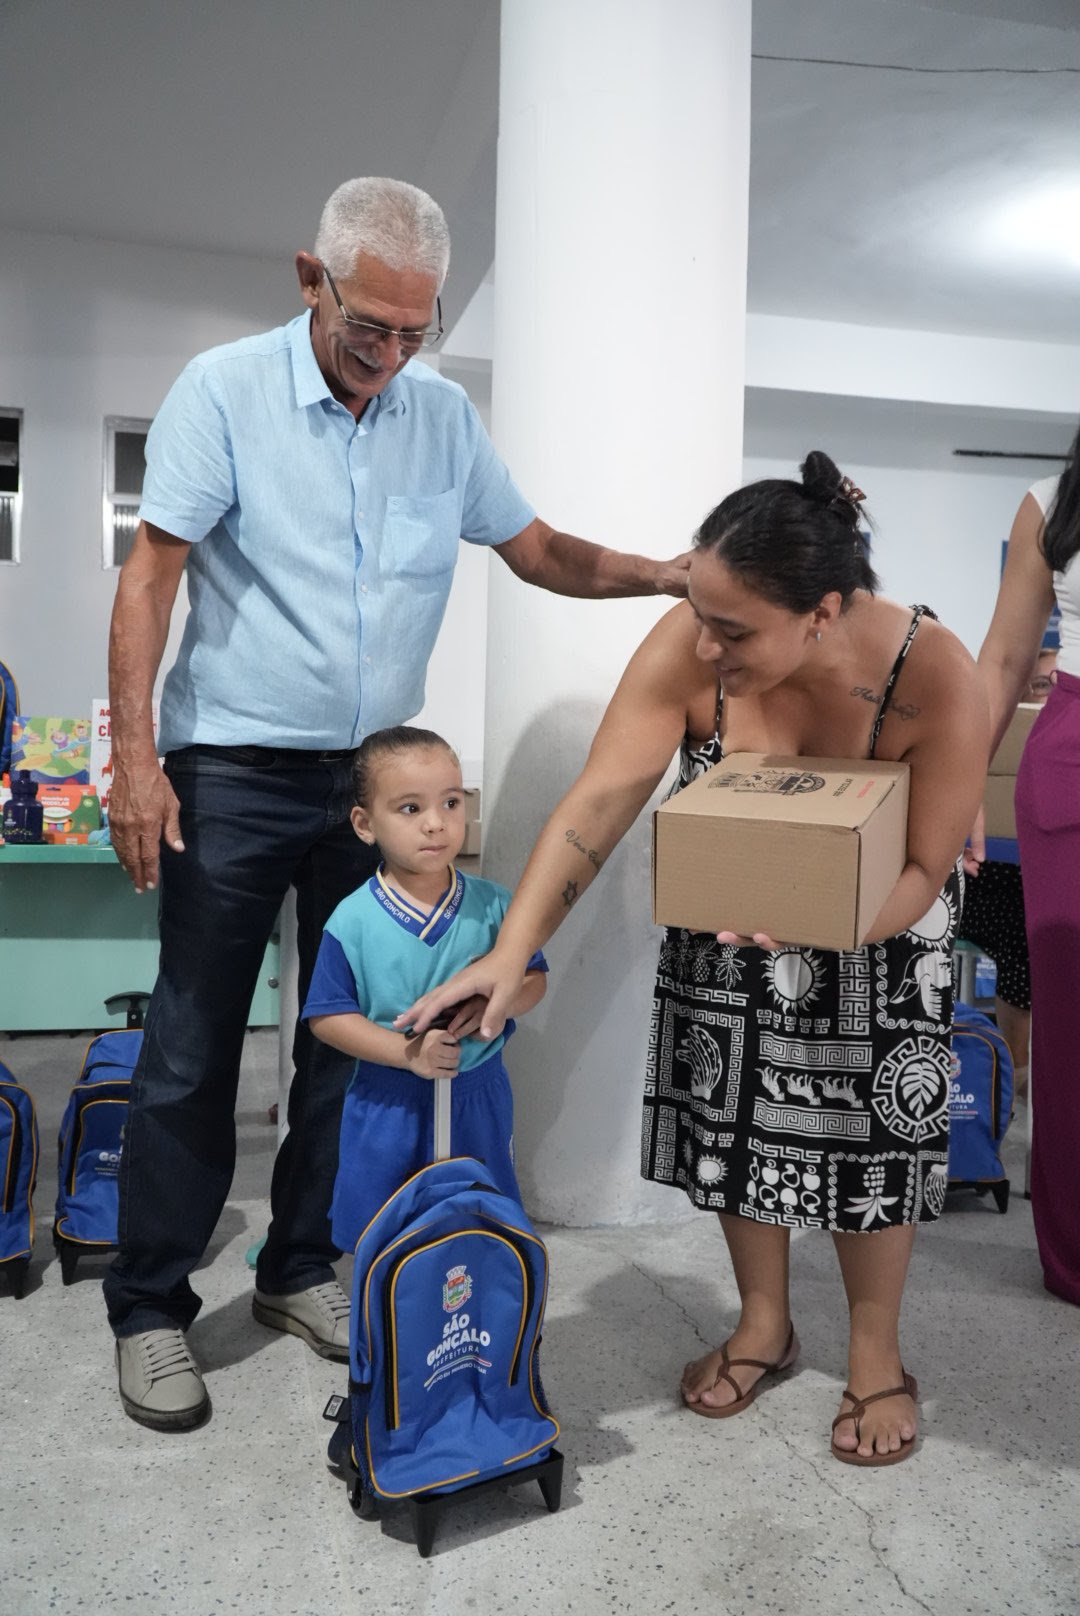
(1043, 568)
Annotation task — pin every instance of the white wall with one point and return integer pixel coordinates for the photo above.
(94, 328)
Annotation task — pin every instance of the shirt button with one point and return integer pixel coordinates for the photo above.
(363, 589)
(367, 659)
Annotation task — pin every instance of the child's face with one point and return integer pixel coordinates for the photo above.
(416, 812)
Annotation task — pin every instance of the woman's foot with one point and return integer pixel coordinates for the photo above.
(726, 1381)
(877, 1422)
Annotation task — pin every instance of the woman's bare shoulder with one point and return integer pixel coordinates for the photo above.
(943, 654)
(667, 655)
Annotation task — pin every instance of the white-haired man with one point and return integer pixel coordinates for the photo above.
(316, 487)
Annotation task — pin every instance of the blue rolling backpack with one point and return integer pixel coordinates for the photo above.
(18, 1172)
(90, 1145)
(445, 1398)
(980, 1105)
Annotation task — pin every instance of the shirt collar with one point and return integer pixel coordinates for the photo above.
(310, 383)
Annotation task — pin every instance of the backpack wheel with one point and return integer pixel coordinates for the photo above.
(364, 1504)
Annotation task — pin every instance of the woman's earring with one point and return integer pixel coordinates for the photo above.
(817, 636)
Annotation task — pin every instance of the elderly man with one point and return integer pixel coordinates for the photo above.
(316, 486)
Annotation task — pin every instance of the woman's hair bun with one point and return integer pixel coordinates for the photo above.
(825, 484)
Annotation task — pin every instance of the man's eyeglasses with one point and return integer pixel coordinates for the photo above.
(369, 332)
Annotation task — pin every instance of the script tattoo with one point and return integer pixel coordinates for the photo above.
(590, 853)
(570, 893)
(902, 709)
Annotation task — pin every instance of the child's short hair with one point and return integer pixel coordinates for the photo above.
(385, 743)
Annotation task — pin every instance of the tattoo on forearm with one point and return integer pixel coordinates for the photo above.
(590, 852)
(570, 892)
(902, 709)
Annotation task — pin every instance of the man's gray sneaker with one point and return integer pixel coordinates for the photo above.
(319, 1316)
(160, 1383)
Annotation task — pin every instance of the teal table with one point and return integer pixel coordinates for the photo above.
(73, 930)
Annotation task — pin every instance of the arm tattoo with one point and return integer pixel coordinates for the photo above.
(902, 709)
(569, 895)
(590, 853)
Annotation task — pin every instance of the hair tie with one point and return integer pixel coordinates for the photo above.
(850, 492)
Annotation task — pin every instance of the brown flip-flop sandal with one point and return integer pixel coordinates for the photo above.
(858, 1408)
(743, 1399)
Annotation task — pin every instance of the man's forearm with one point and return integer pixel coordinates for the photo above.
(572, 566)
(140, 628)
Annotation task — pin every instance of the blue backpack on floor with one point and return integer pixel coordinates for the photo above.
(449, 1287)
(18, 1172)
(90, 1144)
(980, 1104)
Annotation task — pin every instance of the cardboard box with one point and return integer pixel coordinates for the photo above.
(806, 849)
(998, 805)
(1006, 760)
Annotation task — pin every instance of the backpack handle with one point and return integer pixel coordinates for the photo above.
(442, 1117)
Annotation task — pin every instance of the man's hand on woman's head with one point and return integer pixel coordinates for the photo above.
(672, 577)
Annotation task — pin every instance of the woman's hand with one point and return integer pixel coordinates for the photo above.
(467, 1017)
(492, 979)
(760, 939)
(975, 851)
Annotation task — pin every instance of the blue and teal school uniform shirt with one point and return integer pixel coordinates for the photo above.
(379, 952)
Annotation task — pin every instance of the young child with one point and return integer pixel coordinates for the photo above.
(416, 922)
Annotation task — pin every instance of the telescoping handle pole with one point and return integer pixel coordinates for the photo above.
(442, 1117)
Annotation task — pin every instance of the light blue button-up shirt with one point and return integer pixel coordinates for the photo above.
(323, 547)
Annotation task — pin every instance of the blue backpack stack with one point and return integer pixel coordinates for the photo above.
(980, 1104)
(449, 1287)
(90, 1145)
(9, 708)
(18, 1172)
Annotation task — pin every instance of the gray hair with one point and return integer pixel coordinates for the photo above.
(396, 223)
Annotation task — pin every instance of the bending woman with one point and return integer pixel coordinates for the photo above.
(1043, 565)
(787, 1087)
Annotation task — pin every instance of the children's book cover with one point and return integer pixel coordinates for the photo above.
(52, 748)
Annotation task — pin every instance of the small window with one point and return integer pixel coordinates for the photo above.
(10, 483)
(125, 462)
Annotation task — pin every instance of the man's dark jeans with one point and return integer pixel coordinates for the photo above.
(253, 822)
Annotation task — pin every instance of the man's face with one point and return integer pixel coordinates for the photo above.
(357, 365)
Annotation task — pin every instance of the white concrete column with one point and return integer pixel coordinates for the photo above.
(620, 301)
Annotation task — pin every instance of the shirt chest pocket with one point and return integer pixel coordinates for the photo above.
(421, 533)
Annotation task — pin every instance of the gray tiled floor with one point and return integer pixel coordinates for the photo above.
(661, 1512)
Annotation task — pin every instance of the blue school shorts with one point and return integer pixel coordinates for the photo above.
(388, 1134)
